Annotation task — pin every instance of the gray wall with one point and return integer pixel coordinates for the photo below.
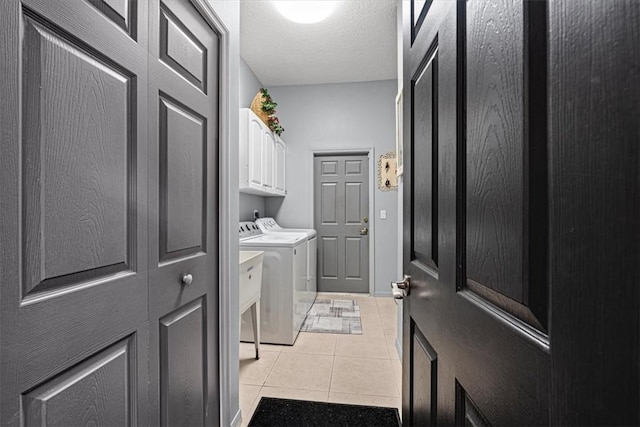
(249, 86)
(249, 202)
(338, 117)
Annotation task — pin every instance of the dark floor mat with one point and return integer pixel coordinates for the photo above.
(273, 412)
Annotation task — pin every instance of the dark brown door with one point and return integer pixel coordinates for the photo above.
(492, 227)
(74, 326)
(341, 207)
(183, 220)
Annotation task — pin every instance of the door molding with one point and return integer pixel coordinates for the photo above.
(228, 236)
(370, 152)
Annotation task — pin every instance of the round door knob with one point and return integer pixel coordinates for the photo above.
(187, 279)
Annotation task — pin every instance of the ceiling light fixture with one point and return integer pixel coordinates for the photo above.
(305, 11)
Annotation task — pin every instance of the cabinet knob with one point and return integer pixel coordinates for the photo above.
(187, 279)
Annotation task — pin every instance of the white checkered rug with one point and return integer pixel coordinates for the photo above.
(333, 316)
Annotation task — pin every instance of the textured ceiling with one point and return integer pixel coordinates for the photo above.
(356, 43)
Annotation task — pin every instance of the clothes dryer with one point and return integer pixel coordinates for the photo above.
(284, 283)
(270, 226)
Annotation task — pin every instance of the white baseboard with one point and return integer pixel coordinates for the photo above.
(383, 294)
(237, 419)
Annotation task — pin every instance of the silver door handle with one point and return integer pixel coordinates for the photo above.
(364, 231)
(187, 279)
(401, 288)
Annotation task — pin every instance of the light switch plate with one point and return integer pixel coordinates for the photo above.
(383, 214)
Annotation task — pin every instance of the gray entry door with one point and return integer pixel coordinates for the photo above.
(183, 220)
(73, 219)
(341, 207)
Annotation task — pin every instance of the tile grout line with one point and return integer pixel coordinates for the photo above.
(333, 364)
(254, 405)
(271, 369)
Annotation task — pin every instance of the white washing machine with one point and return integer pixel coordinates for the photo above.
(283, 304)
(270, 226)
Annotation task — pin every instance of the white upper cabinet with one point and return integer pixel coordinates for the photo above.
(268, 168)
(262, 157)
(254, 153)
(279, 166)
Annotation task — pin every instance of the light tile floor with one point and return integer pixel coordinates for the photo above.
(356, 369)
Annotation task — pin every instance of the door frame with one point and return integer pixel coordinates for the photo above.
(227, 209)
(370, 153)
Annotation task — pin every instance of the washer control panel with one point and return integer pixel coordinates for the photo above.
(248, 229)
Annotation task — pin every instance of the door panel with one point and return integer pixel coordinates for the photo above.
(255, 153)
(183, 358)
(329, 167)
(280, 165)
(183, 155)
(425, 155)
(328, 203)
(354, 255)
(122, 12)
(467, 413)
(102, 382)
(341, 203)
(181, 50)
(418, 11)
(353, 167)
(79, 203)
(353, 199)
(269, 142)
(474, 326)
(494, 222)
(329, 257)
(424, 380)
(506, 164)
(74, 214)
(183, 244)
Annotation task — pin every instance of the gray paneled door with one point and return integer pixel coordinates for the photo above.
(183, 220)
(87, 205)
(341, 208)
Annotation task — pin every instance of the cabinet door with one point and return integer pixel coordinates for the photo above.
(256, 148)
(267, 161)
(280, 167)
